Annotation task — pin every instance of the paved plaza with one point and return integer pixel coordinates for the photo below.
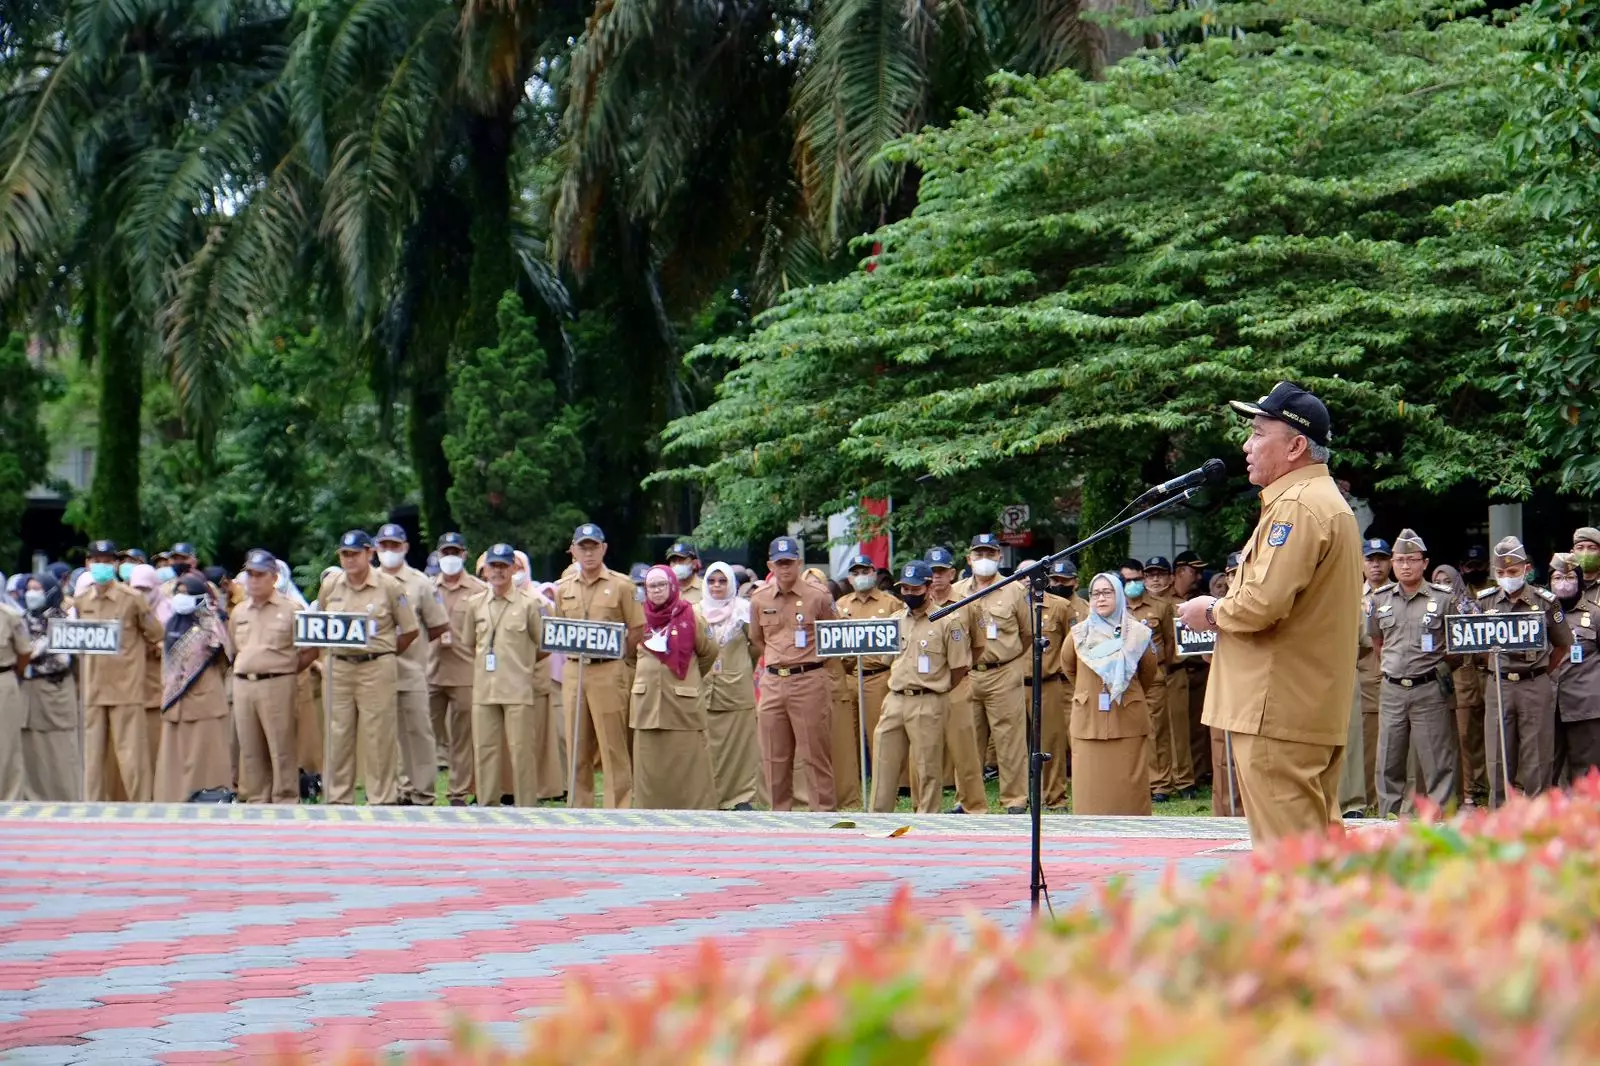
(157, 934)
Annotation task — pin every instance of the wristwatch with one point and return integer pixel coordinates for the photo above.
(1211, 615)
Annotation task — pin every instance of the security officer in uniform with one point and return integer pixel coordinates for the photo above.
(181, 558)
(865, 600)
(598, 594)
(1158, 577)
(1188, 581)
(365, 683)
(1062, 610)
(419, 751)
(1525, 685)
(794, 712)
(1375, 566)
(17, 647)
(117, 763)
(266, 670)
(998, 699)
(1578, 684)
(502, 636)
(963, 762)
(1417, 705)
(1169, 721)
(684, 559)
(933, 657)
(451, 669)
(1156, 613)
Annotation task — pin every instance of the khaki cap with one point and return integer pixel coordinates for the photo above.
(1563, 563)
(1408, 541)
(1589, 533)
(1510, 549)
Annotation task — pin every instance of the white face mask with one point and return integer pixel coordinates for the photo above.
(520, 579)
(985, 567)
(34, 598)
(1511, 585)
(391, 560)
(864, 582)
(683, 571)
(451, 564)
(183, 603)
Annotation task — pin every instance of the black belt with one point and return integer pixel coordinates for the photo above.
(915, 692)
(870, 673)
(786, 671)
(367, 658)
(984, 668)
(1411, 682)
(262, 677)
(1524, 675)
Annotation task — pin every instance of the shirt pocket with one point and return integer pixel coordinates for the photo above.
(687, 692)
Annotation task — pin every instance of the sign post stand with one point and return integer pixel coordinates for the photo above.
(838, 638)
(1493, 635)
(579, 640)
(1500, 713)
(1227, 752)
(861, 728)
(572, 736)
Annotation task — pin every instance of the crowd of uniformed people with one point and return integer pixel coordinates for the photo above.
(721, 699)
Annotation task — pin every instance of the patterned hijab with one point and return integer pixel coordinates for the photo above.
(1112, 647)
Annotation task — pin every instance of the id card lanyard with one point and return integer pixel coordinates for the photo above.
(494, 629)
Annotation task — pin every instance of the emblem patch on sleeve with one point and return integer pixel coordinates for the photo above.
(1278, 535)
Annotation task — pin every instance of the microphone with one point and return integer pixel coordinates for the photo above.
(1211, 472)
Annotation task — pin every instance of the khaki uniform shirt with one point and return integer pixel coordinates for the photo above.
(730, 684)
(1059, 618)
(119, 678)
(779, 616)
(1157, 614)
(968, 617)
(452, 665)
(13, 636)
(1410, 628)
(264, 637)
(1289, 627)
(659, 700)
(693, 590)
(509, 627)
(1129, 716)
(874, 604)
(1578, 684)
(608, 598)
(1529, 598)
(941, 647)
(381, 597)
(414, 661)
(1003, 619)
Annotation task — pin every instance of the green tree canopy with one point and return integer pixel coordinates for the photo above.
(24, 453)
(1311, 190)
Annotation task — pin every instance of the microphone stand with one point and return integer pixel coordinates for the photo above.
(1038, 578)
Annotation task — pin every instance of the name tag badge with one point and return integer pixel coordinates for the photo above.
(924, 665)
(799, 638)
(716, 667)
(488, 662)
(1427, 642)
(992, 631)
(1105, 701)
(444, 638)
(1577, 653)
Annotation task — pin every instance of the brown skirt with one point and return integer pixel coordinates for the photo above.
(672, 770)
(735, 757)
(1110, 776)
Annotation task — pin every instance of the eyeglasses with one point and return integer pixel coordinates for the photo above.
(1099, 593)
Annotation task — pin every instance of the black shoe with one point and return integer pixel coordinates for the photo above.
(1190, 793)
(407, 801)
(991, 773)
(1055, 810)
(957, 809)
(743, 807)
(458, 803)
(905, 791)
(1355, 813)
(508, 800)
(1159, 797)
(1016, 810)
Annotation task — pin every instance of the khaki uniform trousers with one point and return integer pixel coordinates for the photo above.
(848, 734)
(1469, 723)
(997, 699)
(1225, 804)
(450, 706)
(514, 732)
(1530, 716)
(1417, 718)
(793, 722)
(13, 715)
(962, 766)
(117, 765)
(1199, 733)
(601, 723)
(419, 755)
(1369, 682)
(52, 763)
(1289, 788)
(1053, 738)
(1171, 769)
(364, 714)
(910, 725)
(264, 718)
(310, 732)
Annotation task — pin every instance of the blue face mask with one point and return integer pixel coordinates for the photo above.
(125, 571)
(102, 573)
(1134, 589)
(165, 573)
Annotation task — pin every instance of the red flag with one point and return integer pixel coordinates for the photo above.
(879, 549)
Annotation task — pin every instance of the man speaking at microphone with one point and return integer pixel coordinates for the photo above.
(1284, 672)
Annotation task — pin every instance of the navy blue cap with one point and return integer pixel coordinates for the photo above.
(183, 547)
(262, 560)
(986, 540)
(1294, 406)
(857, 561)
(1063, 568)
(638, 571)
(135, 553)
(1476, 554)
(501, 553)
(588, 531)
(684, 548)
(1158, 562)
(102, 547)
(453, 540)
(356, 538)
(1375, 546)
(941, 557)
(392, 531)
(1190, 558)
(784, 548)
(916, 572)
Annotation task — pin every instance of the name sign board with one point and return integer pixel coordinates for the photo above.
(82, 636)
(858, 636)
(1468, 634)
(1191, 642)
(333, 629)
(576, 636)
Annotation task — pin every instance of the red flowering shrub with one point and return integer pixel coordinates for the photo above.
(1473, 941)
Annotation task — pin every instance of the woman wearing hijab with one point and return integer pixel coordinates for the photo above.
(51, 763)
(194, 703)
(671, 753)
(144, 579)
(730, 692)
(1110, 664)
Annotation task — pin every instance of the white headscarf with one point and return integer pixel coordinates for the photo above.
(724, 616)
(1112, 647)
(286, 585)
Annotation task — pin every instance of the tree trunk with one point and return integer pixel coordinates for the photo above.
(1107, 488)
(493, 263)
(114, 492)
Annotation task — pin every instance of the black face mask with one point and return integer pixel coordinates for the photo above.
(179, 569)
(1475, 576)
(915, 600)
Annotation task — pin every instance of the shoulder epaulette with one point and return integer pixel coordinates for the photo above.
(1441, 586)
(1388, 587)
(1486, 593)
(1544, 594)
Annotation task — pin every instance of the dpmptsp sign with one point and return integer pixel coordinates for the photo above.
(1469, 634)
(82, 636)
(858, 636)
(1193, 642)
(333, 629)
(577, 636)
